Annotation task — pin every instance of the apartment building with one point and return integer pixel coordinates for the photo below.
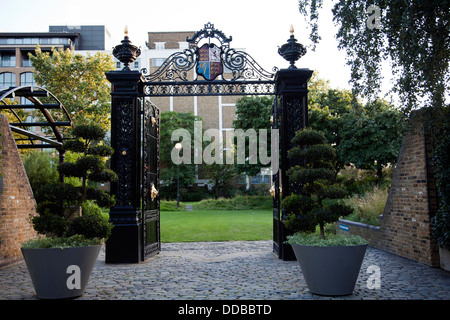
(15, 66)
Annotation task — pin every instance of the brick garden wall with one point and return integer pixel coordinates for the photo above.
(405, 228)
(16, 201)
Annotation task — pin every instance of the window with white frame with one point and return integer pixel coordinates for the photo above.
(160, 45)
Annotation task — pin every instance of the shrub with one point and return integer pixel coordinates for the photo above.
(90, 226)
(65, 242)
(166, 205)
(59, 203)
(314, 239)
(368, 207)
(315, 176)
(236, 203)
(40, 168)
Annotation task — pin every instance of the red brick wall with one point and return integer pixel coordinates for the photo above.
(16, 201)
(405, 224)
(405, 227)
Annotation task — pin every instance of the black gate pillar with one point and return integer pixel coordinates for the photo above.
(124, 244)
(292, 115)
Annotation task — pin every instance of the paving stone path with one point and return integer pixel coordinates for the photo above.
(235, 270)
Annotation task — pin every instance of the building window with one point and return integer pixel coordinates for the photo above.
(117, 65)
(136, 64)
(183, 45)
(26, 62)
(7, 59)
(160, 45)
(158, 62)
(259, 179)
(7, 79)
(27, 79)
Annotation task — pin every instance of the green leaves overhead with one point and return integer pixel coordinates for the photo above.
(78, 81)
(412, 34)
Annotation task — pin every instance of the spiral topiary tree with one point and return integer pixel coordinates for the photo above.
(57, 204)
(303, 212)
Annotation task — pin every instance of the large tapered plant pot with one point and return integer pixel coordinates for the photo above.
(330, 271)
(60, 273)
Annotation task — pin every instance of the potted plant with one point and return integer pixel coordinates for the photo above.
(60, 263)
(330, 262)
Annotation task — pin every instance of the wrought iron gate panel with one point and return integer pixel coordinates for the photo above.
(223, 71)
(275, 190)
(150, 180)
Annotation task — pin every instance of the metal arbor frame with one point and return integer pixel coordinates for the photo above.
(208, 56)
(48, 110)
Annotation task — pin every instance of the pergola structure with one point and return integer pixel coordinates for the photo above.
(53, 115)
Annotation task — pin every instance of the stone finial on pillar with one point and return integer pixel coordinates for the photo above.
(126, 52)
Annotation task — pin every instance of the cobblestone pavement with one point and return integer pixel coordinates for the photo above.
(235, 270)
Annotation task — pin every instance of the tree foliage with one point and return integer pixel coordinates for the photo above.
(171, 121)
(367, 135)
(413, 34)
(78, 81)
(253, 113)
(371, 136)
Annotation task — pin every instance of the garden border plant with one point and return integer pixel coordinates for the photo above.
(330, 263)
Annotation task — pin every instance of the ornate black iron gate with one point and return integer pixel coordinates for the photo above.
(150, 179)
(135, 128)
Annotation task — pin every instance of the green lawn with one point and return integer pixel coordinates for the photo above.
(216, 225)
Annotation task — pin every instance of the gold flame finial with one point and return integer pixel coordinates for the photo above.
(291, 30)
(126, 30)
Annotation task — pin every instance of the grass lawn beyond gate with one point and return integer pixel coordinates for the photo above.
(216, 225)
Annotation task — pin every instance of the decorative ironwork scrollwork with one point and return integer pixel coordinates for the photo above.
(176, 67)
(206, 88)
(237, 66)
(243, 66)
(124, 127)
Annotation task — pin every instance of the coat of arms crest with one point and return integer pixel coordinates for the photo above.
(209, 63)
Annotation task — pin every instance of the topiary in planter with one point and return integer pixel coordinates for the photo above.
(303, 212)
(59, 205)
(330, 266)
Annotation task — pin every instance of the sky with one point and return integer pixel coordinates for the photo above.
(259, 26)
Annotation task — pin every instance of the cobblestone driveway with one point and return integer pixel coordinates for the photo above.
(234, 270)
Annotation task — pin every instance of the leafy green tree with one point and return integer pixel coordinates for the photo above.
(326, 108)
(371, 136)
(253, 113)
(220, 177)
(413, 34)
(305, 211)
(366, 135)
(40, 168)
(78, 81)
(170, 121)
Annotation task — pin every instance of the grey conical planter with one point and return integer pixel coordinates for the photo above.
(330, 271)
(51, 271)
